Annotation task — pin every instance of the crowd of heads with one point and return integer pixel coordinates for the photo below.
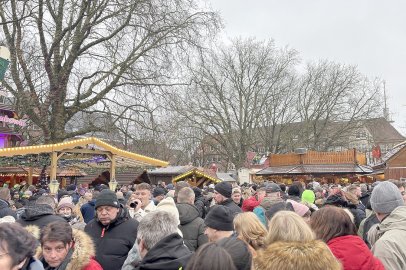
(250, 226)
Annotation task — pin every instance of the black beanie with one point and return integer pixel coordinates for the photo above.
(220, 218)
(224, 188)
(107, 198)
(294, 191)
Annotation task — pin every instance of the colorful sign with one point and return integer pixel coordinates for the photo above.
(6, 119)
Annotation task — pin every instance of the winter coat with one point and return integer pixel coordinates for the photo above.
(201, 207)
(170, 254)
(353, 253)
(39, 215)
(114, 241)
(5, 209)
(81, 255)
(391, 244)
(191, 225)
(232, 206)
(33, 264)
(365, 198)
(88, 211)
(366, 225)
(249, 204)
(339, 201)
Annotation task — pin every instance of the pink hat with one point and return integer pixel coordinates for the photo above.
(299, 208)
(65, 202)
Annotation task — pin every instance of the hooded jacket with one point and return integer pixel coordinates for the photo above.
(232, 206)
(391, 245)
(82, 254)
(5, 209)
(39, 215)
(249, 204)
(114, 241)
(191, 225)
(354, 253)
(88, 211)
(170, 254)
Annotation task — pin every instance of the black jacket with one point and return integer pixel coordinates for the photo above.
(5, 209)
(39, 215)
(113, 242)
(338, 201)
(232, 206)
(191, 225)
(170, 254)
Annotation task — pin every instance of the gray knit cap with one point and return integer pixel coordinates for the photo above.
(385, 198)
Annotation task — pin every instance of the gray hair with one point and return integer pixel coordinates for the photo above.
(46, 199)
(185, 195)
(155, 226)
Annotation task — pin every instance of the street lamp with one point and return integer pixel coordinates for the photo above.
(113, 184)
(53, 186)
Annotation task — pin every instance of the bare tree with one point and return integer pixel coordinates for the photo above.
(70, 56)
(333, 100)
(229, 94)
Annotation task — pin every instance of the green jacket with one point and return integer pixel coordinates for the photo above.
(391, 244)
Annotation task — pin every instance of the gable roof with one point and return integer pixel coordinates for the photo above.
(87, 146)
(382, 131)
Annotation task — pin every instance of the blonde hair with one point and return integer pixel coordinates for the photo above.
(288, 226)
(250, 229)
(308, 255)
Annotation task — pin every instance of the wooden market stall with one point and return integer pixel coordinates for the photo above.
(84, 153)
(198, 178)
(392, 165)
(325, 167)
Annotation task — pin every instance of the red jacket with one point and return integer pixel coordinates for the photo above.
(354, 253)
(249, 204)
(93, 265)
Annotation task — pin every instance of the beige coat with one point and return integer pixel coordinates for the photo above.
(390, 248)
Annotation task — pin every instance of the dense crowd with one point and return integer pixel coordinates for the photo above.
(220, 227)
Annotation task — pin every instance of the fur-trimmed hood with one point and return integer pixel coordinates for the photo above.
(83, 249)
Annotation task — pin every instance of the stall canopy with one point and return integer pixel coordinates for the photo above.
(85, 153)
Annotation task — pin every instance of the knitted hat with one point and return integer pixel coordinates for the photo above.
(224, 188)
(65, 202)
(385, 198)
(308, 196)
(299, 208)
(168, 205)
(107, 198)
(7, 219)
(272, 187)
(220, 218)
(294, 191)
(158, 191)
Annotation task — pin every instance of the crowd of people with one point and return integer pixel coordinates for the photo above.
(267, 226)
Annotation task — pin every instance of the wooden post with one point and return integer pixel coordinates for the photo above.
(30, 172)
(112, 167)
(54, 165)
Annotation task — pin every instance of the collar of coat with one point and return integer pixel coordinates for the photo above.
(83, 249)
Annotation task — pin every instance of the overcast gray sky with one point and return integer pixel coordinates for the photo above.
(368, 33)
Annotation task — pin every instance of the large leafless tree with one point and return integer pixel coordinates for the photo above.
(73, 56)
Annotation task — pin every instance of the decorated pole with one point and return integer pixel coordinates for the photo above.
(4, 61)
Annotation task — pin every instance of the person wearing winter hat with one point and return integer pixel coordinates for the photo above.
(219, 223)
(222, 196)
(301, 209)
(112, 224)
(65, 209)
(389, 207)
(158, 195)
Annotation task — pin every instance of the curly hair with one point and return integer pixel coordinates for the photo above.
(250, 229)
(17, 242)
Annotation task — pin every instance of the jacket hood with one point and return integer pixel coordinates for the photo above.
(169, 253)
(83, 251)
(187, 213)
(34, 212)
(395, 221)
(4, 204)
